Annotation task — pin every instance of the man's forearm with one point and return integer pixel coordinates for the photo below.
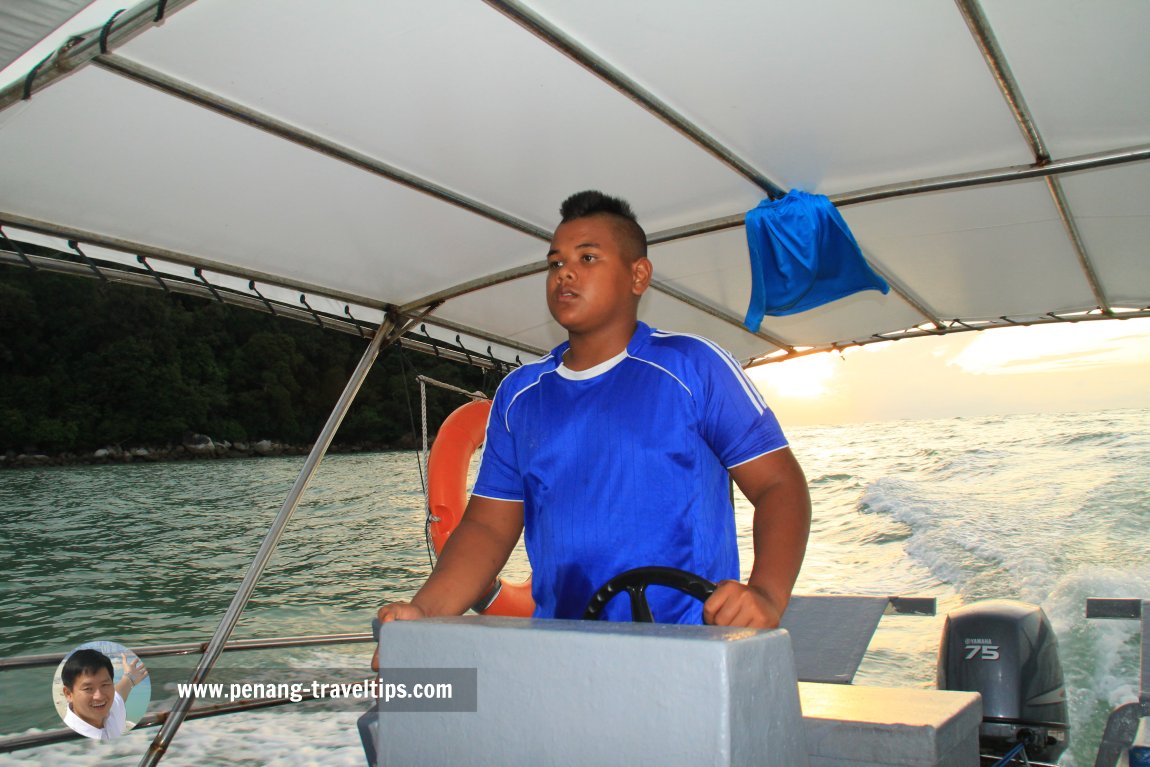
(470, 561)
(780, 539)
(782, 524)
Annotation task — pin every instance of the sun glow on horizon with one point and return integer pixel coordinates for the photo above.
(1058, 367)
(1054, 348)
(802, 378)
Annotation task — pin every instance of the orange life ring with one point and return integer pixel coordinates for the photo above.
(459, 437)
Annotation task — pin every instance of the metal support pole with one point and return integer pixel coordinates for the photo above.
(1054, 184)
(216, 645)
(1012, 92)
(597, 65)
(1122, 724)
(1144, 688)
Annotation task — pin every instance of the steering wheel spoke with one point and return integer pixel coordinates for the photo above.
(635, 583)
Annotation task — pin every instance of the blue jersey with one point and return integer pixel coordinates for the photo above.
(625, 465)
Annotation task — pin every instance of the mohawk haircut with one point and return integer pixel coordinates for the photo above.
(85, 661)
(594, 203)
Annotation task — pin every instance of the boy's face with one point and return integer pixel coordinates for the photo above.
(91, 696)
(592, 283)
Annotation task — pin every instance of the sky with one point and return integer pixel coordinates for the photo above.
(1087, 366)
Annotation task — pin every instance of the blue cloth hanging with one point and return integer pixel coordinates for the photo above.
(803, 255)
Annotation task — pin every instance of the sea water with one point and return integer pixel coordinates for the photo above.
(1049, 509)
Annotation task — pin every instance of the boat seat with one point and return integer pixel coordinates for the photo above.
(853, 726)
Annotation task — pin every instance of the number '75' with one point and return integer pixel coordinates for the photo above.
(982, 652)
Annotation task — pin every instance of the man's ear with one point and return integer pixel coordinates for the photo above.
(641, 271)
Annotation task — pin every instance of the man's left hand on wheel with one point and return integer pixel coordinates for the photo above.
(737, 604)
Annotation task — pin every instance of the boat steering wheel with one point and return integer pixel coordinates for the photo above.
(635, 583)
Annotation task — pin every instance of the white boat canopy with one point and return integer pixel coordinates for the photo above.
(358, 160)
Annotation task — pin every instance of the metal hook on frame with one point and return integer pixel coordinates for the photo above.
(19, 251)
(252, 287)
(354, 321)
(318, 321)
(211, 288)
(107, 30)
(32, 76)
(459, 343)
(91, 265)
(154, 273)
(499, 364)
(430, 340)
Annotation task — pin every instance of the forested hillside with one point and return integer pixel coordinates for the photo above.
(86, 364)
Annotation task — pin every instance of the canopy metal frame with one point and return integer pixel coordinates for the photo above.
(1012, 93)
(586, 58)
(90, 48)
(14, 253)
(39, 258)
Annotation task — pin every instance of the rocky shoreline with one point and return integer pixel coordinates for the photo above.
(192, 447)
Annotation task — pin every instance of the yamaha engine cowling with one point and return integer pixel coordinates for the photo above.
(1007, 651)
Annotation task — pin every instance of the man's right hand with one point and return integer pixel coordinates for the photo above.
(396, 611)
(400, 611)
(470, 561)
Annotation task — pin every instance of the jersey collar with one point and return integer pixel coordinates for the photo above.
(638, 339)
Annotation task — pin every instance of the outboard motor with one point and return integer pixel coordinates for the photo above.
(1007, 651)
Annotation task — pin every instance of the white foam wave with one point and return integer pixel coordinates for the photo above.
(288, 738)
